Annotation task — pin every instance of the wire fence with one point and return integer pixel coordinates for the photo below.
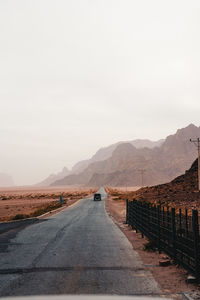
(176, 234)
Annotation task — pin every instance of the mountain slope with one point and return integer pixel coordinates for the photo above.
(100, 155)
(180, 192)
(120, 159)
(123, 167)
(106, 152)
(53, 177)
(161, 164)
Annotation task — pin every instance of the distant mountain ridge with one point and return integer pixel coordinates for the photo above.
(100, 155)
(161, 164)
(53, 177)
(106, 152)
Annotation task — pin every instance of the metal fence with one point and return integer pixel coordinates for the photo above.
(176, 234)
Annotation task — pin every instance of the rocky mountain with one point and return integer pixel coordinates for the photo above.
(53, 177)
(123, 167)
(106, 152)
(6, 180)
(100, 155)
(180, 192)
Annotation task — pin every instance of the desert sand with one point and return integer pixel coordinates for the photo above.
(23, 202)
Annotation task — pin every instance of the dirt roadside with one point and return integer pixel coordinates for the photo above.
(27, 203)
(171, 279)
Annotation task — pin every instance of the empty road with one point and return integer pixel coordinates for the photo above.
(77, 251)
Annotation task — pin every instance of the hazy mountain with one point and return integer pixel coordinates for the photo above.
(53, 177)
(120, 159)
(123, 168)
(6, 180)
(106, 152)
(161, 164)
(100, 155)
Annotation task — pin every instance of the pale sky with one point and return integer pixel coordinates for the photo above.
(77, 75)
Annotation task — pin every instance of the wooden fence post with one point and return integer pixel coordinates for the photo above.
(173, 232)
(127, 212)
(186, 222)
(180, 221)
(149, 219)
(195, 227)
(131, 213)
(163, 216)
(167, 214)
(142, 219)
(158, 216)
(136, 216)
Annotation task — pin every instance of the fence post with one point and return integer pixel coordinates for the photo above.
(131, 213)
(127, 212)
(186, 221)
(173, 233)
(136, 216)
(149, 219)
(158, 216)
(195, 227)
(180, 222)
(163, 216)
(142, 219)
(168, 214)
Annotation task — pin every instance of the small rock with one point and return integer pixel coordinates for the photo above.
(165, 257)
(164, 263)
(191, 279)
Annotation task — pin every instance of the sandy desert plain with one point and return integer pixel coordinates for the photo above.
(23, 202)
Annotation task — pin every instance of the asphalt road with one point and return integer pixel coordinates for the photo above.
(77, 251)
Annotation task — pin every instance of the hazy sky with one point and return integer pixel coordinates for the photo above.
(76, 75)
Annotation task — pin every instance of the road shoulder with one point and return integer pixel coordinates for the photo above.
(171, 279)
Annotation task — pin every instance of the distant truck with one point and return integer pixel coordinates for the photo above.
(97, 197)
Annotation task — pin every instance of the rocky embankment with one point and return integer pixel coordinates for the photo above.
(180, 192)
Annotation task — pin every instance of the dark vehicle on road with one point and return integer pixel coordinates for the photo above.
(97, 197)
